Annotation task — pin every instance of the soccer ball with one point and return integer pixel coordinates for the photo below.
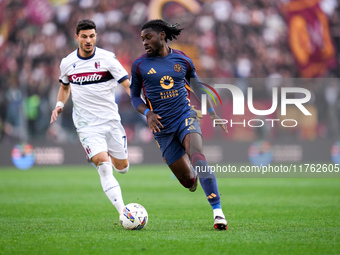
(133, 217)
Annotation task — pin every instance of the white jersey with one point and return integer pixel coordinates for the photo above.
(93, 82)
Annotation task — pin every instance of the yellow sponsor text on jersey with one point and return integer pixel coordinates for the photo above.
(168, 94)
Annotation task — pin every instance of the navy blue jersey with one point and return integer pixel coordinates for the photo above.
(165, 84)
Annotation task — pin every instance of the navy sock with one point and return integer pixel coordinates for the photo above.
(207, 179)
(217, 206)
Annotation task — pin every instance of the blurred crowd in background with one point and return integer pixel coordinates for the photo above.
(225, 39)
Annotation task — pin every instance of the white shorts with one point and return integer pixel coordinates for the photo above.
(109, 137)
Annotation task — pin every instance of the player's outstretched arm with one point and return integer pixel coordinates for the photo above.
(214, 116)
(63, 95)
(196, 85)
(126, 85)
(224, 127)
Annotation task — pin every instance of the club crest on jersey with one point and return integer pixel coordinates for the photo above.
(177, 68)
(88, 150)
(74, 65)
(97, 65)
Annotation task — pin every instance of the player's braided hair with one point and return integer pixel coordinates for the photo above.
(159, 25)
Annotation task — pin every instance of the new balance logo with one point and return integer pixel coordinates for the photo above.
(152, 71)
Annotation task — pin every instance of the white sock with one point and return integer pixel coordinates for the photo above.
(218, 212)
(110, 185)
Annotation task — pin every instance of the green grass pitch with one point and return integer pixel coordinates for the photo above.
(63, 210)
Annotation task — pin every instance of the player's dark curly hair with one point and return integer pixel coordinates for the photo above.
(85, 24)
(159, 25)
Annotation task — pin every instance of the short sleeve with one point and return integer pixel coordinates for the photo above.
(117, 70)
(63, 78)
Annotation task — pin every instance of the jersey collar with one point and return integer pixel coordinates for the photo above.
(86, 57)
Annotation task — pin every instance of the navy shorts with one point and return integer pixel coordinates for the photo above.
(171, 144)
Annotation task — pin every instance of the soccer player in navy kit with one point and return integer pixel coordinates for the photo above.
(163, 74)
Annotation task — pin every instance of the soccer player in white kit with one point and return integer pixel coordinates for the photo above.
(91, 74)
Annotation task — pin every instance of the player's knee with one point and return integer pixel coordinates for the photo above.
(187, 180)
(124, 170)
(187, 183)
(104, 169)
